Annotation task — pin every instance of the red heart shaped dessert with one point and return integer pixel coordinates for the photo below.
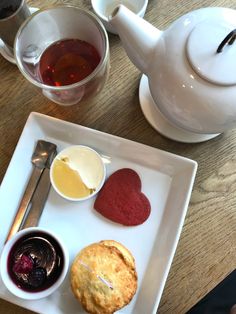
(121, 199)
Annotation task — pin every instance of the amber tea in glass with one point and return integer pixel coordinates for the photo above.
(64, 51)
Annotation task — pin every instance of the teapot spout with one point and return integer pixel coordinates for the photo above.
(139, 38)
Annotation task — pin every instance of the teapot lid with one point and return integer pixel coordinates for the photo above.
(211, 51)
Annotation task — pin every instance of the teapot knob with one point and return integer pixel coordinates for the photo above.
(229, 39)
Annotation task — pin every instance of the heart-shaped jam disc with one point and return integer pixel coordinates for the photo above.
(121, 199)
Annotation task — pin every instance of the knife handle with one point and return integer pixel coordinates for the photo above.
(24, 204)
(38, 201)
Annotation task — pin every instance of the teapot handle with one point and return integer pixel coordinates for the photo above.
(229, 39)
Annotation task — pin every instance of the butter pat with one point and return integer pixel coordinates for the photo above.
(77, 172)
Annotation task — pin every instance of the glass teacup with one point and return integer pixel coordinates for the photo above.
(54, 28)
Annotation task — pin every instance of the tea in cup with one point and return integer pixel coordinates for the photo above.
(64, 51)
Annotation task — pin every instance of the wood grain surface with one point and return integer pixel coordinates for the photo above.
(207, 246)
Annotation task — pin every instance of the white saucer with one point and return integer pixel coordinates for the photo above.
(5, 52)
(160, 123)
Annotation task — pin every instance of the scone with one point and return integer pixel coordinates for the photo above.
(103, 277)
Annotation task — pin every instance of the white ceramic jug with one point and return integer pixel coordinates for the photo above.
(190, 68)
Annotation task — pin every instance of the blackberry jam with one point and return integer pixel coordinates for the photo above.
(35, 262)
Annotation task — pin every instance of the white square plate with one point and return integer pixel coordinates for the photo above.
(167, 181)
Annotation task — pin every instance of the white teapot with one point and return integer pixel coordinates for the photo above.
(190, 69)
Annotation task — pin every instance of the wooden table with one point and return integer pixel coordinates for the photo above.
(206, 250)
